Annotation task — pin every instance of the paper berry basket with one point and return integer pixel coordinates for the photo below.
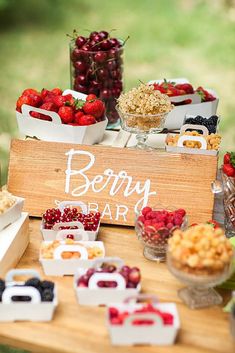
(54, 130)
(94, 295)
(180, 148)
(59, 266)
(175, 118)
(50, 234)
(12, 214)
(34, 310)
(152, 332)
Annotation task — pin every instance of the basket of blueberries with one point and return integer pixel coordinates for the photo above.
(30, 300)
(211, 123)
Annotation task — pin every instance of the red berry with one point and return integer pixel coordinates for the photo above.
(86, 120)
(70, 236)
(57, 91)
(66, 114)
(91, 97)
(134, 276)
(229, 170)
(145, 210)
(95, 108)
(29, 91)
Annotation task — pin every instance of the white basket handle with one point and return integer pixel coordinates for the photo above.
(135, 298)
(203, 128)
(200, 139)
(98, 262)
(79, 234)
(26, 109)
(21, 272)
(10, 292)
(109, 277)
(81, 204)
(68, 248)
(75, 94)
(57, 226)
(157, 320)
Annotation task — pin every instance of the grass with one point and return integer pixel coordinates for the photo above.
(168, 38)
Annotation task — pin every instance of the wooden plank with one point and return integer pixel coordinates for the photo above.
(14, 239)
(79, 329)
(43, 172)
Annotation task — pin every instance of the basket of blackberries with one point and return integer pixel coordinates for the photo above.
(211, 123)
(30, 300)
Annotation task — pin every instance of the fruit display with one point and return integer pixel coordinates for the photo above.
(173, 89)
(53, 216)
(200, 250)
(7, 200)
(75, 112)
(210, 123)
(213, 140)
(229, 164)
(118, 316)
(93, 250)
(131, 275)
(97, 68)
(154, 226)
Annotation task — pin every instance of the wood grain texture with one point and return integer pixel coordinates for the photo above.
(37, 173)
(80, 329)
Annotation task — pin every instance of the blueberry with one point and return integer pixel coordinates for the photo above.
(2, 285)
(214, 119)
(189, 121)
(47, 295)
(47, 285)
(33, 282)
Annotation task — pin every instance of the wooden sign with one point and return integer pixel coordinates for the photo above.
(115, 181)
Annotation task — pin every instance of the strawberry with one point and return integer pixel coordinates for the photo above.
(187, 87)
(213, 223)
(66, 114)
(227, 158)
(94, 107)
(86, 120)
(57, 91)
(205, 95)
(49, 106)
(46, 106)
(69, 100)
(32, 100)
(77, 116)
(44, 93)
(229, 170)
(59, 101)
(28, 91)
(91, 97)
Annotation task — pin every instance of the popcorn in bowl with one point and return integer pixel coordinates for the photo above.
(7, 200)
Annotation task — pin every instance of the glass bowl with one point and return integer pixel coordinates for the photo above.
(142, 125)
(199, 292)
(156, 241)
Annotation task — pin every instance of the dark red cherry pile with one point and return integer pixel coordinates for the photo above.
(96, 67)
(132, 276)
(52, 216)
(117, 317)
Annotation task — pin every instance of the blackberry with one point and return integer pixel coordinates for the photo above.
(1, 292)
(47, 295)
(2, 285)
(214, 119)
(199, 120)
(47, 285)
(189, 121)
(33, 282)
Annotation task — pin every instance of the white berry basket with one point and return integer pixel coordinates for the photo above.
(50, 234)
(12, 214)
(205, 117)
(180, 148)
(128, 334)
(61, 267)
(54, 130)
(94, 295)
(35, 310)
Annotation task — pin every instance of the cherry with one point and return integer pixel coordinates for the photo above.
(103, 34)
(97, 38)
(105, 94)
(70, 236)
(116, 92)
(93, 34)
(80, 66)
(81, 79)
(86, 47)
(80, 41)
(100, 57)
(76, 54)
(105, 44)
(111, 64)
(80, 88)
(102, 74)
(112, 53)
(114, 42)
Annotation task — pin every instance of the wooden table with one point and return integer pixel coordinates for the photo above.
(77, 329)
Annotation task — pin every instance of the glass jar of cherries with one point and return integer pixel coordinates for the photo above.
(96, 66)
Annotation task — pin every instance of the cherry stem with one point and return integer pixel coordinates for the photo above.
(128, 37)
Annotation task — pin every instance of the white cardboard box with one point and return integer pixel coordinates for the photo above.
(54, 130)
(12, 214)
(35, 310)
(175, 118)
(94, 295)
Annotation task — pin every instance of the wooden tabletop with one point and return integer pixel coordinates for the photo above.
(80, 329)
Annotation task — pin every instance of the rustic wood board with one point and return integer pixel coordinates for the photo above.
(14, 239)
(37, 172)
(82, 329)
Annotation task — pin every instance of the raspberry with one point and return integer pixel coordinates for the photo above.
(145, 210)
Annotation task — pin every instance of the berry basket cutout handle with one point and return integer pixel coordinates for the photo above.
(20, 272)
(157, 320)
(98, 262)
(142, 296)
(68, 248)
(78, 224)
(26, 109)
(203, 128)
(192, 138)
(81, 204)
(75, 94)
(10, 292)
(114, 277)
(79, 234)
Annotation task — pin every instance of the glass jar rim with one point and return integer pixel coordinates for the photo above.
(72, 42)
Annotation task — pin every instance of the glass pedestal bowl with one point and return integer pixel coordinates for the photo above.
(142, 125)
(156, 241)
(199, 292)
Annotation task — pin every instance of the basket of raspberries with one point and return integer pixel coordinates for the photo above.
(107, 281)
(71, 215)
(54, 115)
(32, 300)
(141, 319)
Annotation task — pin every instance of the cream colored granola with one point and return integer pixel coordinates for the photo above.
(6, 201)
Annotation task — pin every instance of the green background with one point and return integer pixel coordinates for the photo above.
(168, 38)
